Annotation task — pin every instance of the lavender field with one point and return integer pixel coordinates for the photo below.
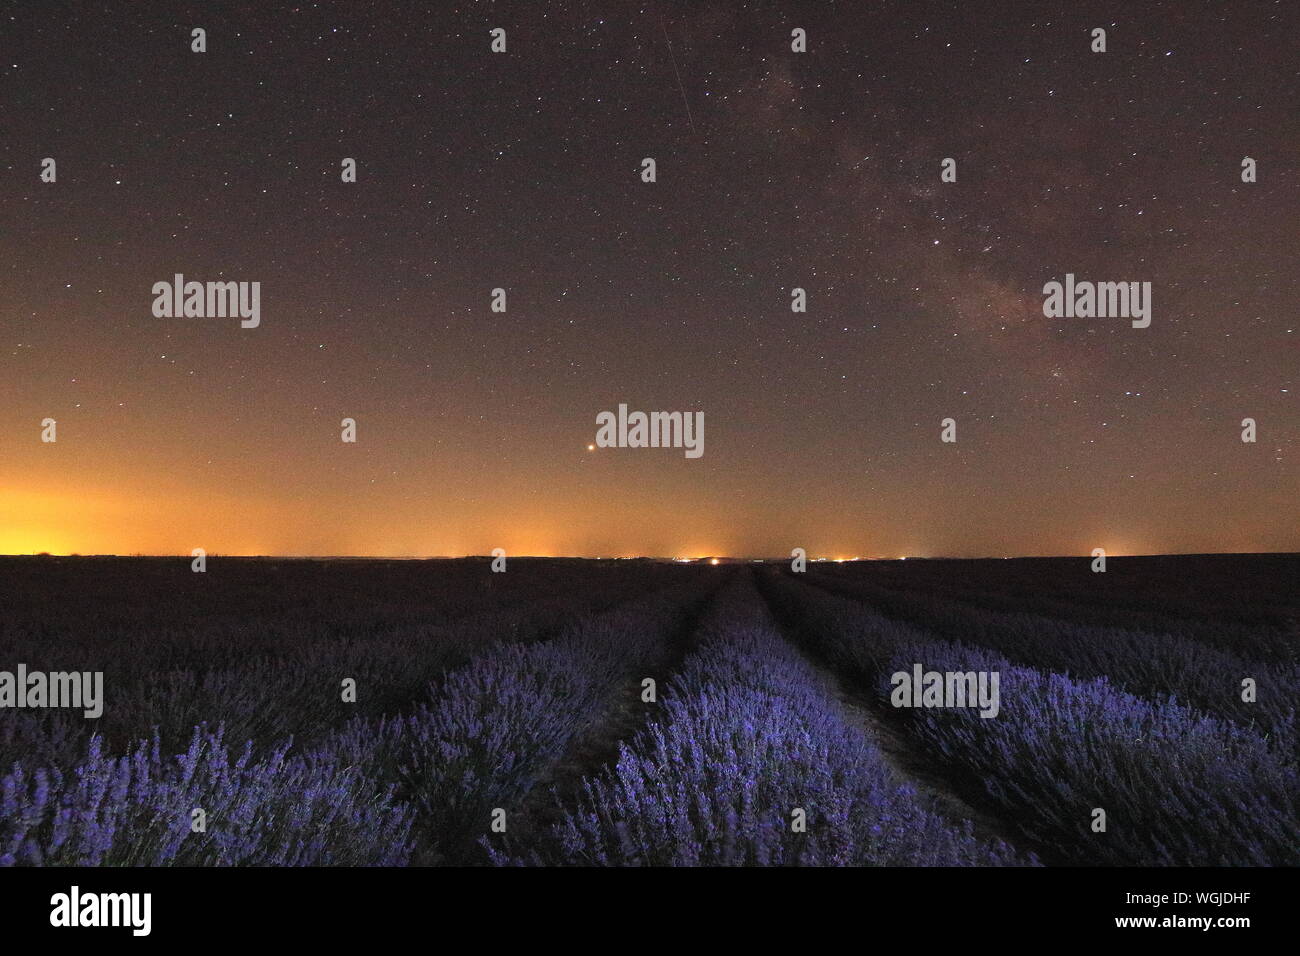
(652, 713)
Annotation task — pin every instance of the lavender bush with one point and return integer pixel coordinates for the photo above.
(279, 810)
(1178, 787)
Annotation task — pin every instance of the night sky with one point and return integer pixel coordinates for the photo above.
(775, 170)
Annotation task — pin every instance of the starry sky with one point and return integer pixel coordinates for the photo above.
(775, 170)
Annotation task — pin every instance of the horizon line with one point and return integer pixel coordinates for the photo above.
(681, 559)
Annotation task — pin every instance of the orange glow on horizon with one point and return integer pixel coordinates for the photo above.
(84, 507)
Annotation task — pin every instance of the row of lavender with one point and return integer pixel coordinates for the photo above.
(386, 789)
(1229, 602)
(1203, 676)
(751, 760)
(267, 668)
(1268, 633)
(1177, 786)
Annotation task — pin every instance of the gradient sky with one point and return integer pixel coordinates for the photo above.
(775, 170)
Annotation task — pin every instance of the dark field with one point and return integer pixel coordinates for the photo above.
(508, 718)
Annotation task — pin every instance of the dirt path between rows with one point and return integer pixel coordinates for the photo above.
(905, 763)
(598, 745)
(860, 710)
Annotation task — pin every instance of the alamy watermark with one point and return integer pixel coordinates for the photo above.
(1101, 300)
(208, 300)
(923, 688)
(129, 910)
(25, 688)
(651, 430)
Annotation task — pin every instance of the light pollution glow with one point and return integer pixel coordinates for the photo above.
(71, 522)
